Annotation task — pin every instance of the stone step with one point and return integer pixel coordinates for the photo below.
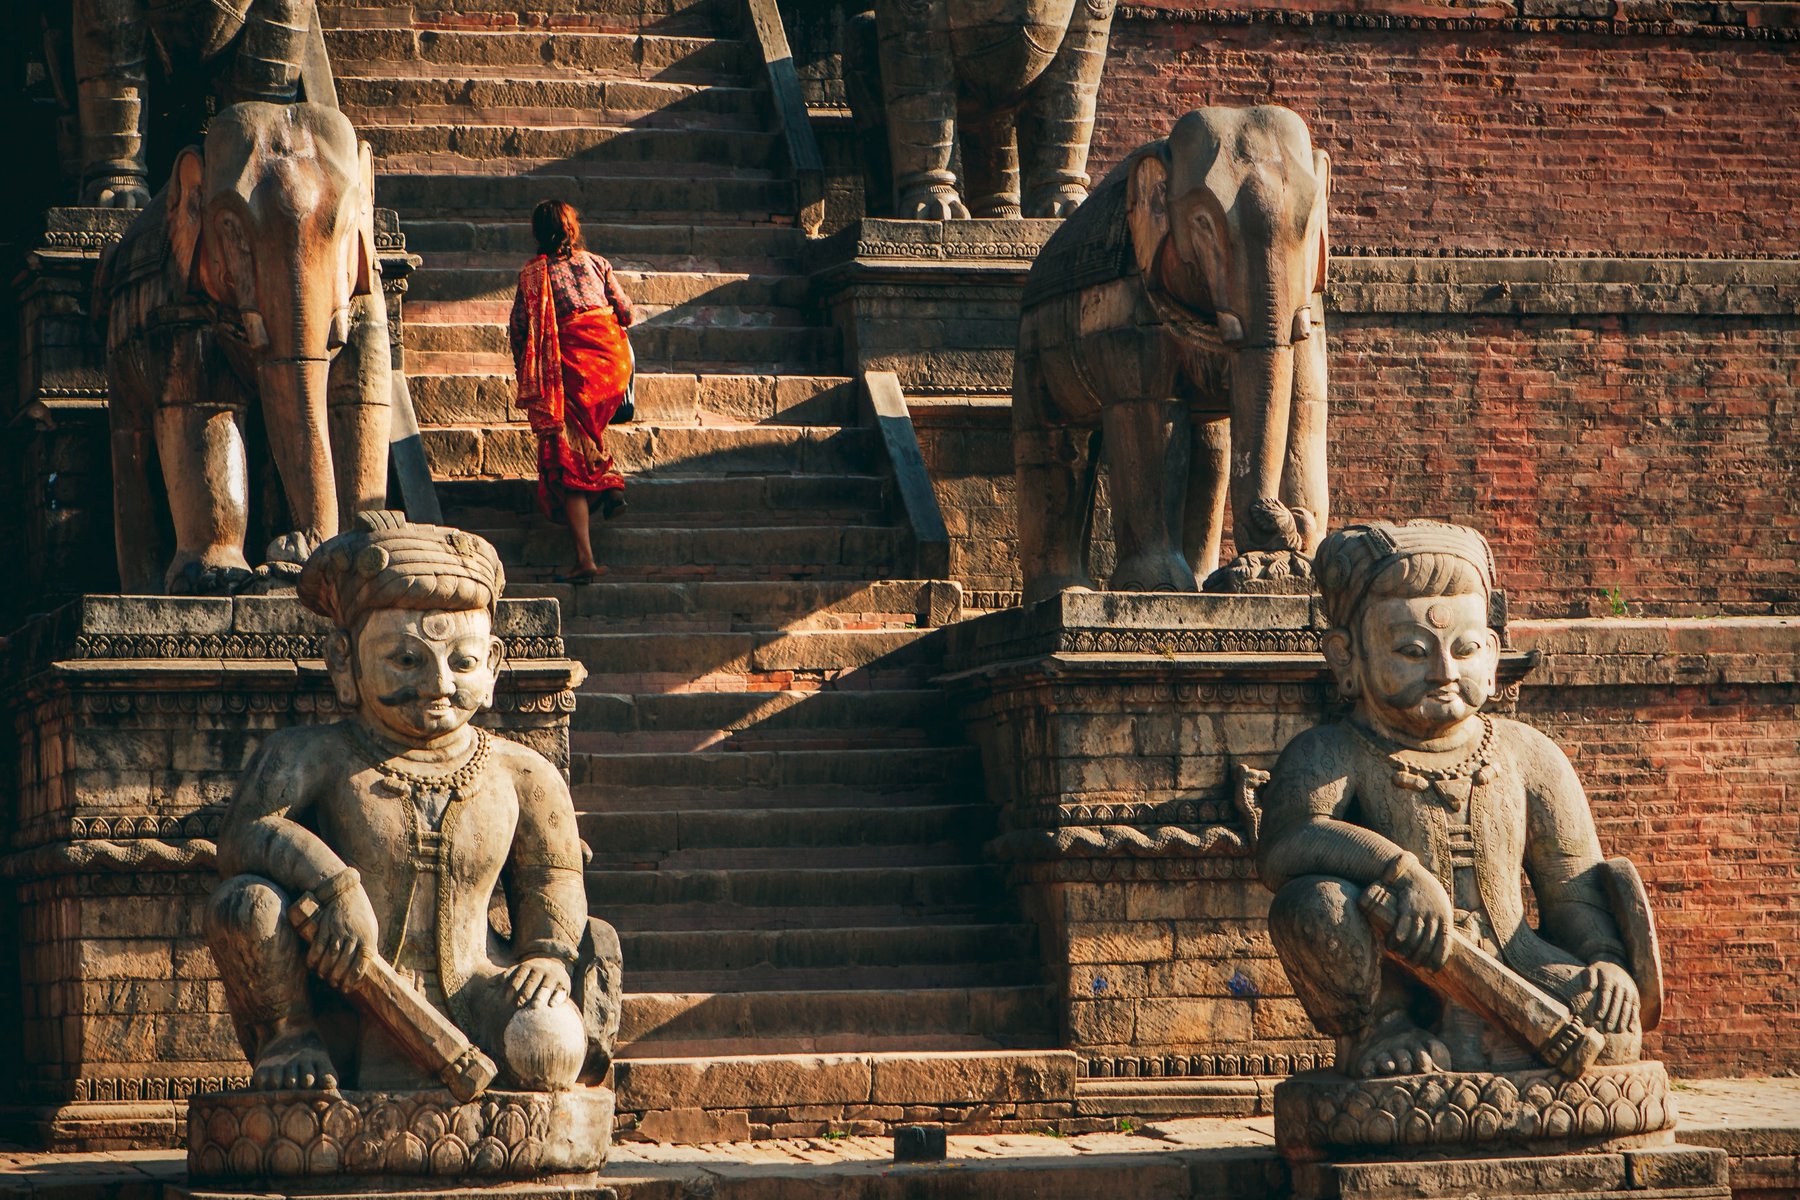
(704, 839)
(780, 349)
(674, 799)
(713, 1025)
(438, 294)
(659, 950)
(450, 98)
(757, 605)
(441, 194)
(709, 653)
(799, 860)
(696, 17)
(511, 452)
(505, 243)
(524, 148)
(748, 889)
(977, 971)
(748, 716)
(668, 499)
(660, 330)
(682, 774)
(613, 54)
(663, 398)
(849, 551)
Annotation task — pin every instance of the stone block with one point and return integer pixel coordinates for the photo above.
(973, 1077)
(693, 1126)
(1673, 1167)
(741, 1082)
(155, 614)
(1119, 942)
(1101, 1022)
(1562, 1174)
(1177, 1021)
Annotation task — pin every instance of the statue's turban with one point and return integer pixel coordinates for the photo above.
(1349, 562)
(385, 561)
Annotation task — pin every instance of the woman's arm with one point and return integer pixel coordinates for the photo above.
(622, 306)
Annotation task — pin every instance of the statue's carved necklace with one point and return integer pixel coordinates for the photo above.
(437, 791)
(1446, 784)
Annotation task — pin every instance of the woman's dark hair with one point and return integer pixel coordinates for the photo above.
(557, 227)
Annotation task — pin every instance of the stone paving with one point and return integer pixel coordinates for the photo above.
(1756, 1120)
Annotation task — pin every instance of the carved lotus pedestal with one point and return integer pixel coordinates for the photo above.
(131, 718)
(235, 1137)
(1608, 1131)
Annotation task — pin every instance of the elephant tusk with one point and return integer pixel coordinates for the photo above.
(256, 333)
(1231, 330)
(1302, 323)
(339, 332)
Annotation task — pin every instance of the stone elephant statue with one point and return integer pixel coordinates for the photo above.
(251, 276)
(1179, 312)
(250, 49)
(1014, 81)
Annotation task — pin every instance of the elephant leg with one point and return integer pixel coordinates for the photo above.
(1058, 120)
(360, 410)
(1147, 461)
(268, 55)
(990, 162)
(295, 413)
(1203, 517)
(135, 538)
(919, 79)
(1050, 463)
(1303, 486)
(110, 78)
(201, 445)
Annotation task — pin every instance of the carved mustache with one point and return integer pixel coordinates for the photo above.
(461, 698)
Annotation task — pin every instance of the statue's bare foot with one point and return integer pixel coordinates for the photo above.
(1393, 1047)
(293, 1061)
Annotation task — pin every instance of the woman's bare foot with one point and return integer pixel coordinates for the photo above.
(1394, 1046)
(293, 1061)
(585, 574)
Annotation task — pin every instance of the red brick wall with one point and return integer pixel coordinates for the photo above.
(1654, 455)
(1699, 784)
(1493, 138)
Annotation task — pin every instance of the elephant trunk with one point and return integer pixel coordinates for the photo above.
(1262, 392)
(294, 398)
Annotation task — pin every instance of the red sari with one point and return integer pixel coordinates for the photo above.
(572, 378)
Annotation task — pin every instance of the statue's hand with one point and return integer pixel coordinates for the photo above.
(1422, 932)
(345, 940)
(538, 980)
(1612, 998)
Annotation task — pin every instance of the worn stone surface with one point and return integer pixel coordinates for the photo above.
(395, 910)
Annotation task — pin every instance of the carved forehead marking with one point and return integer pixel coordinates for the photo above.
(438, 625)
(1440, 616)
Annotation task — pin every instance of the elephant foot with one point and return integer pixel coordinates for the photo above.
(1154, 573)
(291, 548)
(1001, 207)
(116, 191)
(272, 578)
(1045, 589)
(1057, 201)
(199, 579)
(935, 203)
(1264, 573)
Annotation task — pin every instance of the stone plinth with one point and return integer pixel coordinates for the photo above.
(1124, 737)
(320, 1135)
(131, 719)
(1637, 1173)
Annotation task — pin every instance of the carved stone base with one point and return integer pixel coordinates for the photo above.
(1643, 1173)
(498, 1135)
(1319, 1114)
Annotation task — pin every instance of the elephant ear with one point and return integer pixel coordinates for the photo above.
(186, 201)
(1147, 208)
(368, 267)
(1322, 203)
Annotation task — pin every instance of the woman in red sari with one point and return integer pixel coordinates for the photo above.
(573, 366)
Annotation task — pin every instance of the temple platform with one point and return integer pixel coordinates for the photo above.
(1755, 1121)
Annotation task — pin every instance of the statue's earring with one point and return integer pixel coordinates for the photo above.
(496, 657)
(1342, 661)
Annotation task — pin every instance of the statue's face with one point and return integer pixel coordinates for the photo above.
(422, 675)
(1426, 663)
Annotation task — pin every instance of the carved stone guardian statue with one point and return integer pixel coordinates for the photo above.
(1397, 843)
(403, 909)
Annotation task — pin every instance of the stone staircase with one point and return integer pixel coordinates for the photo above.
(786, 825)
